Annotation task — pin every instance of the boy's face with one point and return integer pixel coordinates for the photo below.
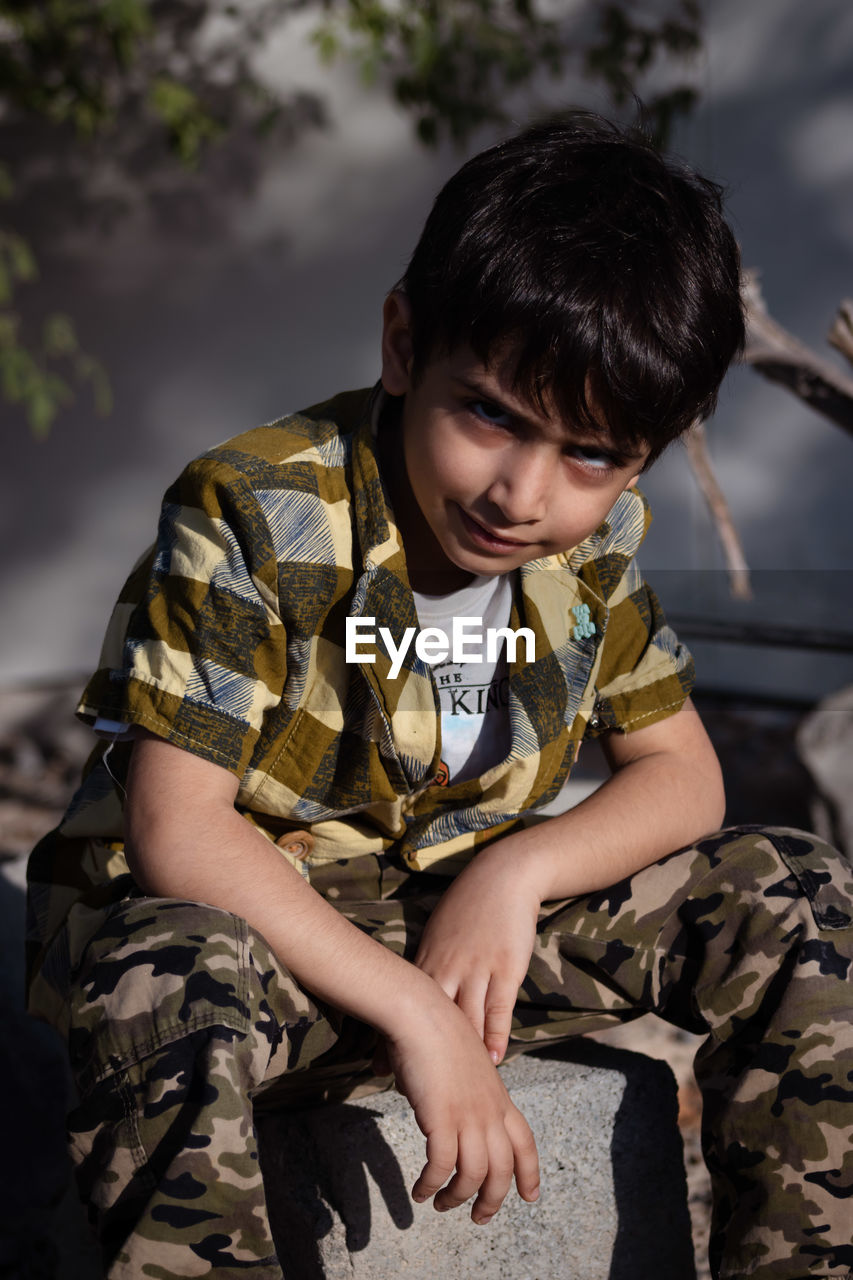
(496, 481)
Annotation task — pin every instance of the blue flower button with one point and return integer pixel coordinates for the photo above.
(584, 626)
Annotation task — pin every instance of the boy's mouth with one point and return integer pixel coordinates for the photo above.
(486, 537)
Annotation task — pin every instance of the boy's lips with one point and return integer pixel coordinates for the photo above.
(486, 537)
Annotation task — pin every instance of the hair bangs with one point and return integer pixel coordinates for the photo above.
(599, 276)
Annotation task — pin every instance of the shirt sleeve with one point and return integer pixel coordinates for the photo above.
(646, 674)
(195, 650)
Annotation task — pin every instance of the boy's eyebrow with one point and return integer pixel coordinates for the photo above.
(605, 440)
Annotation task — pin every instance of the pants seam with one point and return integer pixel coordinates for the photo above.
(241, 938)
(140, 1159)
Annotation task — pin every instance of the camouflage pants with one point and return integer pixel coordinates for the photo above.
(181, 1016)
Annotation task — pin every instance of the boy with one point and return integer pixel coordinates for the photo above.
(323, 870)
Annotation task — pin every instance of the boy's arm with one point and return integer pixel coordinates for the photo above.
(186, 840)
(666, 790)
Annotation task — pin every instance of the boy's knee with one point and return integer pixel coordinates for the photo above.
(772, 909)
(780, 868)
(157, 970)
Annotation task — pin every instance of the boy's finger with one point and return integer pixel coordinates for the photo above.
(500, 1002)
(472, 1169)
(441, 1161)
(526, 1156)
(494, 1188)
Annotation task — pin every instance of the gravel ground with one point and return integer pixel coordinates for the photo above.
(42, 749)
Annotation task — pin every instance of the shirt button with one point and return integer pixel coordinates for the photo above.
(297, 843)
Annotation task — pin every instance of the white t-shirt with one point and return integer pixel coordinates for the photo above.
(474, 695)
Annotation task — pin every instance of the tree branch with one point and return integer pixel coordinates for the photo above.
(782, 358)
(841, 333)
(700, 463)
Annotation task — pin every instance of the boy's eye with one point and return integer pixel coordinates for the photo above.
(491, 413)
(594, 458)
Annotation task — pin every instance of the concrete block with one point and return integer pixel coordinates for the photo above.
(613, 1204)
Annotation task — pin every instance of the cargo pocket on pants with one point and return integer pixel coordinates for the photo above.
(823, 874)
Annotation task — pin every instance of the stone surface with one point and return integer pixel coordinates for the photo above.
(613, 1203)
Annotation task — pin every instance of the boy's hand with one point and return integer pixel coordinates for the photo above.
(478, 941)
(463, 1109)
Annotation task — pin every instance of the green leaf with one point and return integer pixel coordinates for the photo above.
(427, 129)
(17, 368)
(42, 408)
(326, 42)
(8, 329)
(190, 125)
(172, 100)
(131, 17)
(102, 392)
(45, 396)
(20, 256)
(92, 371)
(59, 336)
(89, 116)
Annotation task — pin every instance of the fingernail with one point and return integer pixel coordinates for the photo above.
(483, 1219)
(419, 1196)
(495, 1056)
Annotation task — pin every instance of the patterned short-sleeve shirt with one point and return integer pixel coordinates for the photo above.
(229, 640)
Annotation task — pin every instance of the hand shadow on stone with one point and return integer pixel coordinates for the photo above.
(316, 1165)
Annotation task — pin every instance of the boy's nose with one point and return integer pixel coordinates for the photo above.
(521, 490)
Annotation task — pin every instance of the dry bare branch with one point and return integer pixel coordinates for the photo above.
(700, 463)
(782, 358)
(841, 333)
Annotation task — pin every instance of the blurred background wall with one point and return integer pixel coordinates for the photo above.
(226, 299)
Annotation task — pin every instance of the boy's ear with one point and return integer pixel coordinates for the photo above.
(397, 350)
(642, 467)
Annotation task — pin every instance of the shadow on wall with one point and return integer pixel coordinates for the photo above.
(222, 299)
